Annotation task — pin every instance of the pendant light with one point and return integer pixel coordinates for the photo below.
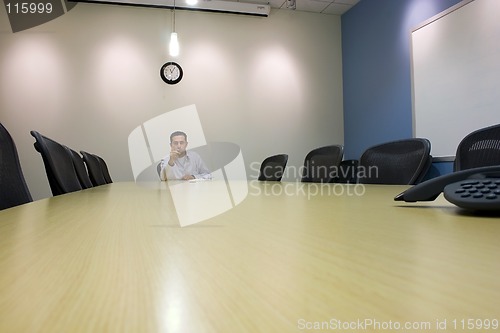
(173, 46)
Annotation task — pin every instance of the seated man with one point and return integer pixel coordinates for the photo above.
(182, 164)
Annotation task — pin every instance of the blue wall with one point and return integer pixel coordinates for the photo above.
(377, 71)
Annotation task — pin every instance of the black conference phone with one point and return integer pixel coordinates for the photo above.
(473, 189)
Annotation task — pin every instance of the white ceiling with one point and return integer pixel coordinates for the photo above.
(334, 7)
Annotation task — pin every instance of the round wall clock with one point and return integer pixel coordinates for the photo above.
(171, 72)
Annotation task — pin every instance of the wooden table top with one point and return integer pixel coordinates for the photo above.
(290, 257)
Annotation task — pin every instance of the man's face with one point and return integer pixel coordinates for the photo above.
(179, 144)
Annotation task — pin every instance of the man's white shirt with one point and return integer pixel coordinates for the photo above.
(189, 164)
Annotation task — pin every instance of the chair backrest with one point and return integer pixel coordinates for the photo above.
(81, 170)
(348, 172)
(321, 164)
(273, 167)
(58, 164)
(403, 162)
(13, 188)
(94, 168)
(478, 149)
(158, 169)
(104, 169)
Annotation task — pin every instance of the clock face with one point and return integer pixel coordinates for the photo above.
(171, 72)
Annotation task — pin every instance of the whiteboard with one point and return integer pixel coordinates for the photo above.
(456, 74)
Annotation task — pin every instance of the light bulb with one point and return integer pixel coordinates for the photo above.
(173, 46)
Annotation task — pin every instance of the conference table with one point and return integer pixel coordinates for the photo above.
(283, 257)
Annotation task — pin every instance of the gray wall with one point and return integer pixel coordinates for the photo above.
(87, 79)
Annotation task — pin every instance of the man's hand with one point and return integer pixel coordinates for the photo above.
(188, 177)
(174, 155)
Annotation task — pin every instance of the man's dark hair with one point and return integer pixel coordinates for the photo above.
(176, 133)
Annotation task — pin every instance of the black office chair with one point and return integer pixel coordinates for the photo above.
(478, 149)
(58, 164)
(104, 169)
(158, 169)
(94, 168)
(403, 162)
(273, 167)
(13, 188)
(81, 170)
(348, 172)
(321, 164)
